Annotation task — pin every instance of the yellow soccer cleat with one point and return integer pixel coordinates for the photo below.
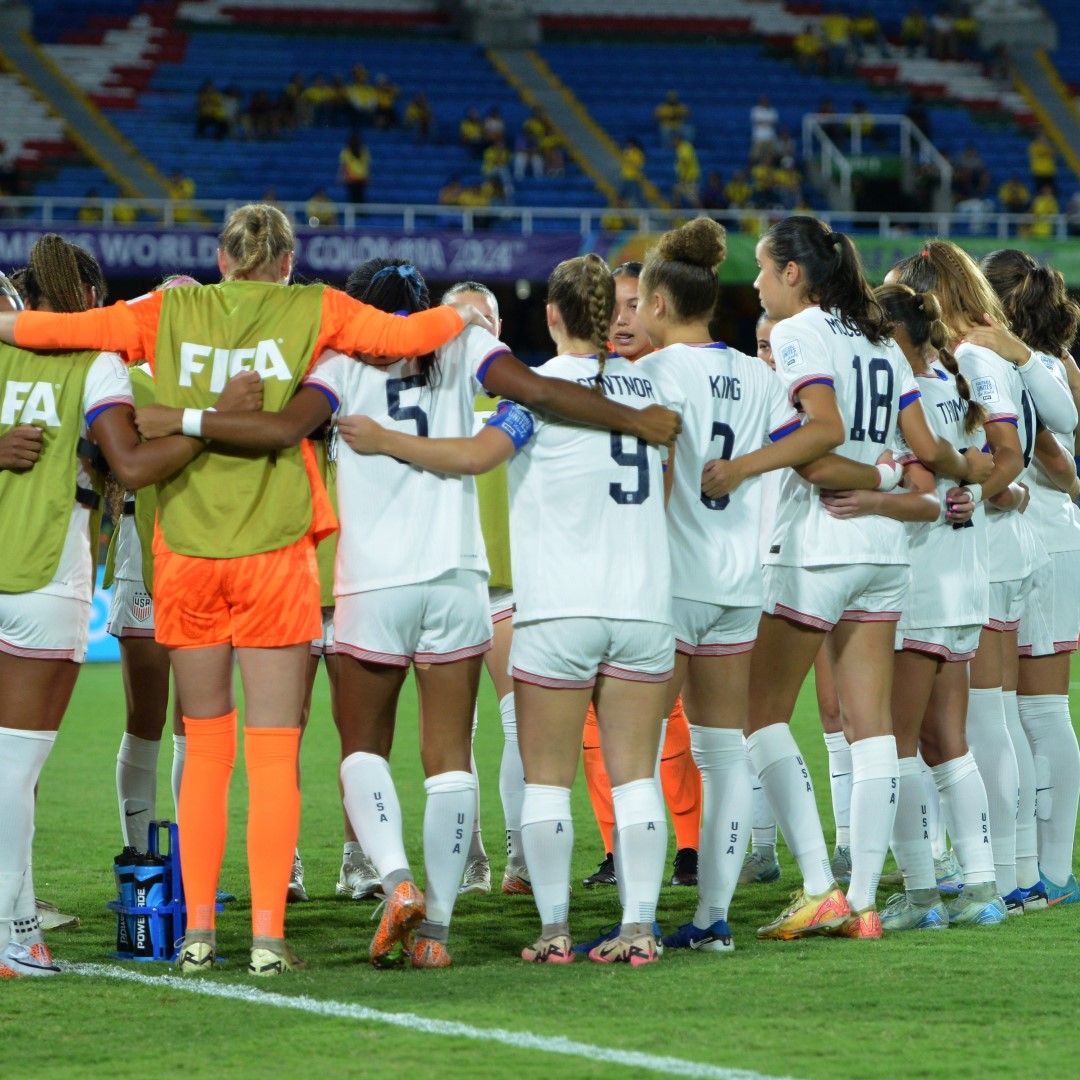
(271, 956)
(808, 915)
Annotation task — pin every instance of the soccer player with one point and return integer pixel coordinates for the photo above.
(234, 549)
(846, 577)
(592, 609)
(58, 412)
(937, 635)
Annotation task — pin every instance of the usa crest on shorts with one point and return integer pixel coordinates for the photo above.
(142, 606)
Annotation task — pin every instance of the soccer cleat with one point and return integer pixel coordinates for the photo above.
(893, 877)
(272, 956)
(840, 864)
(1069, 893)
(400, 912)
(950, 875)
(552, 950)
(1014, 902)
(605, 873)
(223, 897)
(760, 866)
(902, 914)
(977, 905)
(861, 924)
(1035, 898)
(808, 915)
(50, 918)
(428, 953)
(477, 877)
(610, 934)
(358, 878)
(515, 880)
(684, 868)
(297, 894)
(18, 960)
(636, 951)
(197, 952)
(717, 938)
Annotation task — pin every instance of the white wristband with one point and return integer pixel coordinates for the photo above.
(976, 492)
(191, 423)
(889, 476)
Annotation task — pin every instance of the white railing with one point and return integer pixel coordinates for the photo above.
(203, 214)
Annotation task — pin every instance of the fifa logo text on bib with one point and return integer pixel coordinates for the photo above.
(265, 359)
(29, 403)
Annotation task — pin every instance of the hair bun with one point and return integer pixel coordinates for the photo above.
(701, 242)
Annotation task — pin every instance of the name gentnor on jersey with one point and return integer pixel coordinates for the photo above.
(873, 383)
(730, 405)
(588, 530)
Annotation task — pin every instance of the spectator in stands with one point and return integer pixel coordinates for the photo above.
(361, 96)
(320, 210)
(1043, 162)
(419, 118)
(631, 171)
(866, 33)
(971, 177)
(551, 147)
(1014, 196)
(1046, 208)
(763, 180)
(91, 211)
(450, 193)
(914, 32)
(786, 146)
(319, 97)
(942, 35)
(737, 191)
(527, 156)
(763, 121)
(976, 211)
(182, 189)
(386, 96)
(232, 102)
(673, 118)
(687, 189)
(354, 168)
(809, 48)
(836, 26)
(496, 163)
(494, 126)
(712, 194)
(787, 183)
(471, 132)
(210, 112)
(613, 221)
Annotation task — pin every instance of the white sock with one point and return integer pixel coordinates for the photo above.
(642, 828)
(511, 780)
(547, 838)
(875, 777)
(911, 829)
(963, 800)
(725, 805)
(476, 841)
(371, 802)
(136, 787)
(179, 752)
(840, 784)
(22, 755)
(790, 791)
(1027, 832)
(616, 863)
(763, 829)
(26, 924)
(993, 752)
(1050, 731)
(935, 819)
(447, 826)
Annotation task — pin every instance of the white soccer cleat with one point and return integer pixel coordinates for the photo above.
(477, 877)
(20, 960)
(51, 918)
(197, 952)
(358, 879)
(271, 956)
(296, 893)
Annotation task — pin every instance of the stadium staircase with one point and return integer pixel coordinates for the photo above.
(1047, 96)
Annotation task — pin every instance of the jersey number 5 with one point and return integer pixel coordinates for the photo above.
(638, 459)
(879, 391)
(397, 411)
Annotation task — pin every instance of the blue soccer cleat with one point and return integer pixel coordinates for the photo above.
(1035, 898)
(717, 938)
(1069, 893)
(902, 913)
(977, 905)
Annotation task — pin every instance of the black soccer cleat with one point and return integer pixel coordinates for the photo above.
(605, 873)
(684, 869)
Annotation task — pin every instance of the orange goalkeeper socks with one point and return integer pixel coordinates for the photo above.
(597, 781)
(681, 781)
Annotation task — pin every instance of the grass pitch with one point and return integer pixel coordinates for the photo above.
(966, 1003)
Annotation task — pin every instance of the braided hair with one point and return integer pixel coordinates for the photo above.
(58, 274)
(584, 292)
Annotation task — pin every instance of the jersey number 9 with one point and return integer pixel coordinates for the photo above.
(637, 459)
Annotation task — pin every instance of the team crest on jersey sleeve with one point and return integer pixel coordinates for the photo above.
(791, 355)
(984, 390)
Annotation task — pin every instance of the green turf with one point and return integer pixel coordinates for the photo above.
(967, 1003)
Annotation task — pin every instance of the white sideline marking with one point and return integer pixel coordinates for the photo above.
(519, 1040)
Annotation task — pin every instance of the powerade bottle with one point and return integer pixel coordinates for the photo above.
(124, 870)
(148, 933)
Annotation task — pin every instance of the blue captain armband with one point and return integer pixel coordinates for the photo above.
(514, 421)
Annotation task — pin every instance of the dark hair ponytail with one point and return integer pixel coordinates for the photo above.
(1035, 299)
(58, 274)
(832, 270)
(919, 313)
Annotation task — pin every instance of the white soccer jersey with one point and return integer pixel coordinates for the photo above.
(872, 384)
(949, 585)
(107, 384)
(400, 524)
(730, 403)
(1052, 515)
(588, 533)
(1015, 550)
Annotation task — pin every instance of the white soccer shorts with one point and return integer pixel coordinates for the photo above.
(949, 643)
(40, 626)
(713, 629)
(501, 602)
(1050, 620)
(131, 613)
(1007, 602)
(822, 596)
(324, 646)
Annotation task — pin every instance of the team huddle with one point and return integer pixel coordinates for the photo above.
(650, 524)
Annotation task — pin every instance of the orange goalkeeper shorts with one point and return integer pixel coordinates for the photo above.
(264, 601)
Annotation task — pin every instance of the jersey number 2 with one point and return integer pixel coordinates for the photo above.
(398, 411)
(637, 459)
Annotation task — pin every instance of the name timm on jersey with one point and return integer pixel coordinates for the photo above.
(29, 403)
(265, 359)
